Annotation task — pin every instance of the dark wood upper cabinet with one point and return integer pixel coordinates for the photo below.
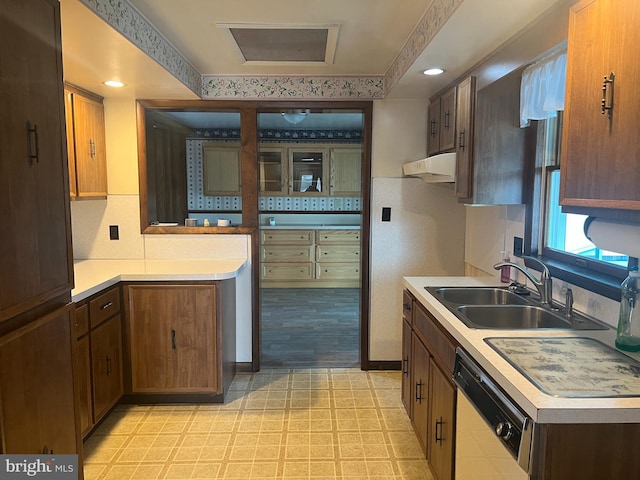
(600, 157)
(442, 123)
(501, 149)
(35, 250)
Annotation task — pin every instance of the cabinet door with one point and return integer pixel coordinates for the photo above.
(309, 169)
(420, 390)
(89, 148)
(346, 171)
(106, 364)
(406, 366)
(464, 137)
(173, 338)
(83, 384)
(448, 120)
(36, 387)
(221, 167)
(433, 127)
(272, 171)
(600, 164)
(34, 190)
(442, 416)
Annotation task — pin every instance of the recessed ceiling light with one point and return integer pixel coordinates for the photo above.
(114, 83)
(433, 71)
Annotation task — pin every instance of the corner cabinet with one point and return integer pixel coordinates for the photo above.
(600, 159)
(180, 339)
(428, 394)
(86, 144)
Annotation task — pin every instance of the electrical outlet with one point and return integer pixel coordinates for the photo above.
(114, 233)
(386, 214)
(517, 246)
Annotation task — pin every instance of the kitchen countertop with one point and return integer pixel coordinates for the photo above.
(540, 406)
(92, 276)
(292, 226)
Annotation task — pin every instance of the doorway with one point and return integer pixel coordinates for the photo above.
(310, 175)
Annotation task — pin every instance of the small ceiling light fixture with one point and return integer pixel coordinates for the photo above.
(114, 83)
(433, 71)
(296, 116)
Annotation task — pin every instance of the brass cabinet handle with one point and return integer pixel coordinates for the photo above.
(606, 104)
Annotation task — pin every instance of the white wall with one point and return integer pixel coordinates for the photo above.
(425, 236)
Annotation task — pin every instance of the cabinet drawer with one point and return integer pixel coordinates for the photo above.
(104, 306)
(439, 343)
(337, 236)
(80, 324)
(287, 271)
(301, 237)
(338, 253)
(337, 271)
(286, 253)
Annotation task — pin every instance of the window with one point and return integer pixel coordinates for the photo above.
(562, 236)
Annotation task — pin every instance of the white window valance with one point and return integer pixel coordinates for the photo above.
(542, 88)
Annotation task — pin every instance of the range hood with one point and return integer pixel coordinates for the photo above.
(436, 169)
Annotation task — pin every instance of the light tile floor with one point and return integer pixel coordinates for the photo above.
(275, 424)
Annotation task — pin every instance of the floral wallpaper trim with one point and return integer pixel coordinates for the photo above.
(428, 26)
(292, 87)
(126, 19)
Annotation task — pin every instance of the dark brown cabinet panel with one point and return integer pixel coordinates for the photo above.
(441, 125)
(442, 416)
(34, 191)
(428, 395)
(465, 111)
(36, 387)
(600, 157)
(106, 365)
(172, 332)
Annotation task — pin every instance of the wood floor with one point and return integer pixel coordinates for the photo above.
(302, 327)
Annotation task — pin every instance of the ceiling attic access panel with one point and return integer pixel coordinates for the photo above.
(281, 44)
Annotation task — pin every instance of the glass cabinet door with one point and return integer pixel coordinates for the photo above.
(309, 169)
(272, 171)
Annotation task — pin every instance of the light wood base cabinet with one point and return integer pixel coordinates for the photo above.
(310, 258)
(180, 338)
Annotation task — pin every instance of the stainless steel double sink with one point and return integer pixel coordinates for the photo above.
(500, 308)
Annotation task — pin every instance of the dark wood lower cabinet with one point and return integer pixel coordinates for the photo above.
(180, 339)
(37, 411)
(106, 366)
(420, 389)
(442, 416)
(429, 396)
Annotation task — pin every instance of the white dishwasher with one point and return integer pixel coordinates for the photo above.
(493, 437)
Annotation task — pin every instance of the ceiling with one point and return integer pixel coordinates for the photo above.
(370, 36)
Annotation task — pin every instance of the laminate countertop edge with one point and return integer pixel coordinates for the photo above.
(541, 407)
(93, 276)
